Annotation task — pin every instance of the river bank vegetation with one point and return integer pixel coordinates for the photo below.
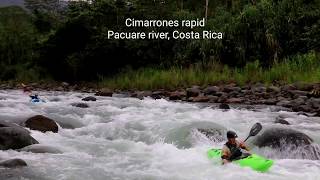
(264, 41)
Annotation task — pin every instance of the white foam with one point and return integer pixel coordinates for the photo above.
(123, 138)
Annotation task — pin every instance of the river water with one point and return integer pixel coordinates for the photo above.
(127, 138)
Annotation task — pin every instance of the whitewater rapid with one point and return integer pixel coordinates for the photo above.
(127, 138)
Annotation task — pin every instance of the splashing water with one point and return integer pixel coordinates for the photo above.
(126, 138)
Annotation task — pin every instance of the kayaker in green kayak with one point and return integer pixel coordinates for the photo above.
(232, 148)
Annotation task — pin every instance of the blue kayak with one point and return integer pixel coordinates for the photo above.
(37, 101)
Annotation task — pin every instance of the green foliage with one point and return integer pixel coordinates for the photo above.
(302, 68)
(16, 36)
(69, 40)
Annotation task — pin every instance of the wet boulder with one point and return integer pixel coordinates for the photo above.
(278, 137)
(235, 100)
(104, 92)
(13, 163)
(55, 99)
(193, 92)
(8, 124)
(280, 120)
(224, 106)
(80, 105)
(211, 90)
(177, 95)
(42, 123)
(15, 138)
(40, 148)
(200, 99)
(273, 89)
(284, 103)
(89, 98)
(142, 94)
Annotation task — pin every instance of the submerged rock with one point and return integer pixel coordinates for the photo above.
(80, 105)
(42, 123)
(13, 163)
(183, 137)
(40, 148)
(213, 134)
(280, 120)
(15, 138)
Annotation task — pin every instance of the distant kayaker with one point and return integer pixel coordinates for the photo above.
(232, 148)
(28, 90)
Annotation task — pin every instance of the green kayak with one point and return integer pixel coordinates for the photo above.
(254, 161)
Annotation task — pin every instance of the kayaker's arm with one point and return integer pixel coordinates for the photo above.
(225, 155)
(244, 146)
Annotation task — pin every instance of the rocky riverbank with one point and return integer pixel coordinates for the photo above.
(299, 97)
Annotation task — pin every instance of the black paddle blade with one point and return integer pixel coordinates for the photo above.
(256, 128)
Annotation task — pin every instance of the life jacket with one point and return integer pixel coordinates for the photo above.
(234, 150)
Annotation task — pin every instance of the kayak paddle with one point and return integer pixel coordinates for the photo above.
(256, 128)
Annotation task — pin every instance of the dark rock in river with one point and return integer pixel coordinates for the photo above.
(8, 124)
(277, 137)
(177, 95)
(15, 138)
(142, 94)
(303, 86)
(303, 108)
(211, 90)
(270, 102)
(224, 106)
(298, 92)
(288, 87)
(40, 148)
(158, 94)
(280, 120)
(213, 99)
(80, 105)
(231, 88)
(273, 89)
(284, 103)
(41, 123)
(13, 163)
(259, 89)
(193, 92)
(89, 98)
(314, 103)
(104, 92)
(234, 100)
(200, 99)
